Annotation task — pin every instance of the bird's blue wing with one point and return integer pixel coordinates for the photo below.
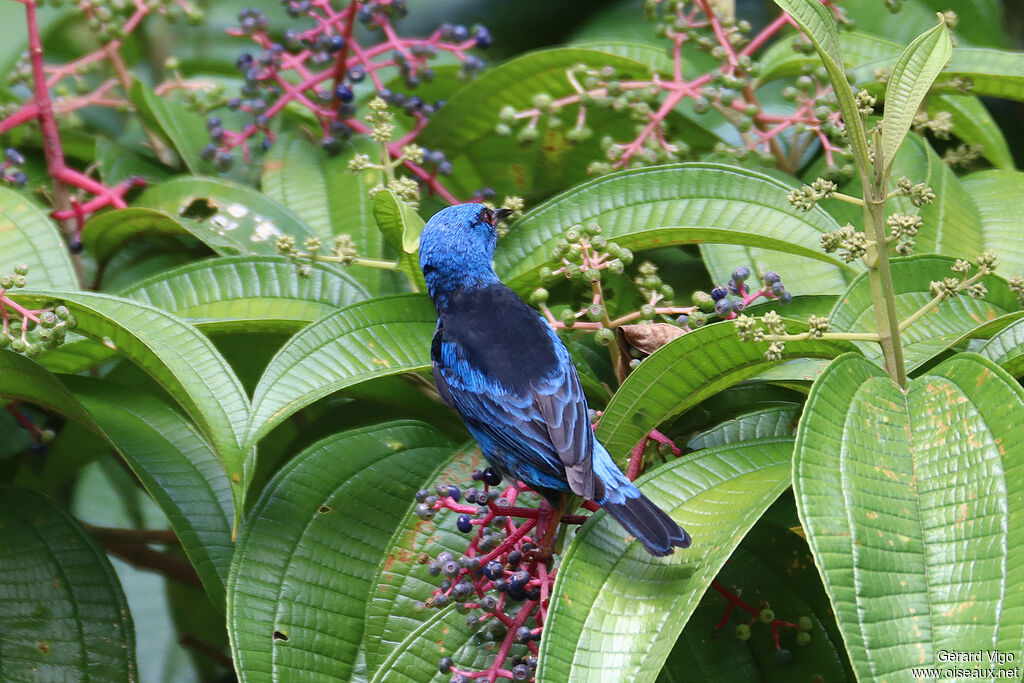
(535, 420)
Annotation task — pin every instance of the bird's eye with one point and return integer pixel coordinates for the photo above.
(487, 216)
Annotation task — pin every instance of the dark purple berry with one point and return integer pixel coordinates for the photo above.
(454, 493)
(223, 161)
(519, 579)
(786, 298)
(421, 495)
(445, 168)
(14, 156)
(501, 585)
(463, 524)
(733, 287)
(343, 92)
(208, 152)
(356, 74)
(524, 635)
(75, 246)
(18, 178)
(521, 672)
(738, 306)
(719, 293)
(741, 274)
(460, 33)
(445, 665)
(723, 307)
(441, 600)
(778, 289)
(330, 144)
(491, 477)
(494, 570)
(515, 557)
(483, 38)
(771, 277)
(434, 569)
(450, 568)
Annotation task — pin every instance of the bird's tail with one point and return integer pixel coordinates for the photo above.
(649, 523)
(635, 512)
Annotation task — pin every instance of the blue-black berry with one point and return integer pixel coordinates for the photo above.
(719, 293)
(491, 477)
(771, 277)
(445, 665)
(463, 524)
(741, 274)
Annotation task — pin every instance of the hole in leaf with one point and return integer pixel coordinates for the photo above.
(324, 509)
(199, 209)
(280, 636)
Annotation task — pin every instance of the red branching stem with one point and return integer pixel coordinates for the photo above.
(636, 459)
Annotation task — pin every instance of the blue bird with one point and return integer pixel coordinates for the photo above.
(500, 365)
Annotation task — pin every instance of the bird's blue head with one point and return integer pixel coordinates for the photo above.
(457, 249)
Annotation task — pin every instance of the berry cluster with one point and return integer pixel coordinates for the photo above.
(501, 583)
(10, 168)
(728, 89)
(583, 255)
(322, 67)
(764, 615)
(30, 331)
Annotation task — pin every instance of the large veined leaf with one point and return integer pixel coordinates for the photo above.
(771, 567)
(1006, 348)
(375, 338)
(670, 205)
(229, 217)
(912, 502)
(996, 73)
(176, 355)
(684, 372)
(27, 235)
(305, 564)
(64, 615)
(775, 421)
(938, 330)
(996, 196)
(616, 611)
(817, 22)
(106, 233)
(482, 158)
(393, 620)
(858, 49)
(25, 380)
(909, 81)
(177, 467)
(248, 293)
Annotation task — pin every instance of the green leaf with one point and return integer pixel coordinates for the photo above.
(616, 611)
(973, 124)
(64, 614)
(996, 73)
(184, 129)
(392, 618)
(27, 235)
(375, 338)
(912, 503)
(773, 565)
(776, 421)
(106, 233)
(859, 51)
(177, 467)
(250, 294)
(22, 379)
(1006, 349)
(305, 564)
(935, 332)
(552, 162)
(664, 206)
(228, 217)
(816, 21)
(996, 196)
(686, 371)
(909, 81)
(179, 357)
(399, 222)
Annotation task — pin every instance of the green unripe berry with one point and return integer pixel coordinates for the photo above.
(32, 350)
(71, 321)
(626, 256)
(6, 282)
(667, 292)
(17, 345)
(697, 319)
(803, 638)
(527, 134)
(615, 265)
(503, 129)
(5, 341)
(767, 616)
(47, 435)
(592, 275)
(595, 312)
(652, 282)
(604, 336)
(743, 632)
(507, 114)
(21, 269)
(19, 280)
(539, 296)
(647, 312)
(805, 623)
(568, 318)
(703, 301)
(48, 319)
(542, 101)
(574, 233)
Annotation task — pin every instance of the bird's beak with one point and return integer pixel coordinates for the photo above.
(502, 214)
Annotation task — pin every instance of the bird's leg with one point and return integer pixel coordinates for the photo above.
(548, 518)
